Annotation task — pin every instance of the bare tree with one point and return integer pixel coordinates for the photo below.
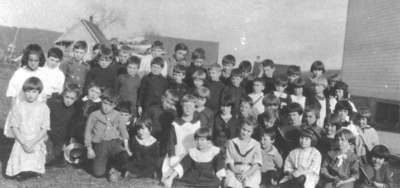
(106, 16)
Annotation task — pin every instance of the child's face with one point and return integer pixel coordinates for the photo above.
(157, 52)
(215, 74)
(31, 95)
(198, 82)
(305, 141)
(104, 62)
(330, 129)
(198, 62)
(246, 131)
(246, 73)
(294, 119)
(201, 101)
(343, 143)
(343, 114)
(227, 67)
(311, 118)
(319, 89)
(132, 69)
(245, 109)
(52, 62)
(271, 106)
(280, 88)
(124, 56)
(202, 143)
(292, 77)
(377, 162)
(268, 71)
(236, 80)
(107, 106)
(79, 54)
(178, 77)
(363, 121)
(317, 73)
(143, 132)
(226, 109)
(156, 69)
(188, 108)
(268, 123)
(166, 102)
(180, 54)
(266, 141)
(258, 87)
(69, 98)
(33, 61)
(94, 93)
(339, 93)
(125, 116)
(298, 91)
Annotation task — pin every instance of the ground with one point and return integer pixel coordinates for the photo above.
(67, 177)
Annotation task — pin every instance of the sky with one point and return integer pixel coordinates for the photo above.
(286, 31)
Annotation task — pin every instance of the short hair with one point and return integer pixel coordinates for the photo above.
(347, 134)
(364, 113)
(299, 82)
(249, 121)
(269, 132)
(236, 73)
(158, 61)
(33, 49)
(93, 84)
(310, 133)
(262, 81)
(181, 46)
(268, 63)
(215, 66)
(72, 88)
(81, 44)
(171, 95)
(335, 121)
(188, 98)
(202, 92)
(179, 69)
(96, 46)
(246, 99)
(379, 151)
(270, 99)
(199, 74)
(317, 65)
(313, 110)
(343, 105)
(125, 48)
(142, 123)
(227, 101)
(106, 52)
(281, 80)
(293, 70)
(269, 114)
(203, 132)
(109, 96)
(55, 52)
(198, 53)
(133, 60)
(294, 107)
(320, 81)
(229, 59)
(124, 106)
(157, 44)
(245, 66)
(32, 83)
(343, 86)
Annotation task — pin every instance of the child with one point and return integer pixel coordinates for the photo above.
(106, 74)
(280, 87)
(106, 139)
(268, 75)
(122, 59)
(176, 83)
(328, 142)
(226, 125)
(297, 95)
(62, 110)
(257, 95)
(228, 63)
(318, 100)
(341, 94)
(198, 79)
(206, 115)
(198, 58)
(270, 101)
(29, 122)
(235, 91)
(54, 77)
(311, 116)
(152, 86)
(344, 111)
(156, 51)
(128, 84)
(178, 58)
(317, 71)
(293, 72)
(271, 159)
(181, 135)
(269, 120)
(369, 136)
(75, 69)
(302, 165)
(84, 107)
(246, 109)
(377, 173)
(146, 155)
(203, 167)
(243, 159)
(341, 166)
(247, 83)
(216, 86)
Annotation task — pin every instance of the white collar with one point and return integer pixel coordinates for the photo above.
(147, 142)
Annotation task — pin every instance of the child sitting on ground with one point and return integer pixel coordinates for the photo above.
(271, 159)
(243, 159)
(202, 167)
(29, 121)
(302, 165)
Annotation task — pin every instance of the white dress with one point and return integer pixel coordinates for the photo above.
(19, 77)
(30, 118)
(54, 79)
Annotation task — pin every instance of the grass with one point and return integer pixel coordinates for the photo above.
(70, 176)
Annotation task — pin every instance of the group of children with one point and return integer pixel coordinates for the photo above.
(189, 123)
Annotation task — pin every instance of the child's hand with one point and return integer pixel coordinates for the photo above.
(274, 182)
(167, 182)
(90, 153)
(339, 183)
(129, 152)
(28, 148)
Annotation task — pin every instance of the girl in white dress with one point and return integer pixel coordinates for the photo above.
(29, 121)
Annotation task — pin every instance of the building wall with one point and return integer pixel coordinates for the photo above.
(371, 57)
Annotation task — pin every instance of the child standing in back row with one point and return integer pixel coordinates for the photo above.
(29, 123)
(75, 69)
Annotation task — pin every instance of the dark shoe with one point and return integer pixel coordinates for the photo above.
(23, 176)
